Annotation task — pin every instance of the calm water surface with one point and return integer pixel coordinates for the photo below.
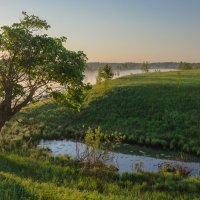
(126, 156)
(90, 76)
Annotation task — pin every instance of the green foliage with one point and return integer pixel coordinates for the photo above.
(104, 74)
(32, 64)
(139, 167)
(145, 67)
(72, 98)
(185, 66)
(98, 145)
(178, 170)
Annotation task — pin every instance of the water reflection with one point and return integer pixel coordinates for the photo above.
(125, 162)
(90, 76)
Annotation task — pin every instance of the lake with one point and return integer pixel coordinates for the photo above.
(90, 76)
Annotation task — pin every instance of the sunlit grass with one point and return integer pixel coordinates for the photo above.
(29, 178)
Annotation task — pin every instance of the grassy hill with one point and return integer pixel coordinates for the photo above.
(156, 109)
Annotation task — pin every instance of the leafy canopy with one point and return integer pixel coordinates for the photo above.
(184, 66)
(33, 64)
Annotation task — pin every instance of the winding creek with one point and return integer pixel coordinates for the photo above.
(126, 156)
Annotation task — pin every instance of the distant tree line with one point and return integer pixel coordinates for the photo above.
(188, 66)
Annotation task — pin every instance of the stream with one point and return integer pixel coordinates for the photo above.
(126, 156)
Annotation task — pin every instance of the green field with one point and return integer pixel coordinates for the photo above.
(154, 109)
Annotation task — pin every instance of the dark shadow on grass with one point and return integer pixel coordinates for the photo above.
(11, 190)
(48, 172)
(144, 108)
(27, 168)
(158, 115)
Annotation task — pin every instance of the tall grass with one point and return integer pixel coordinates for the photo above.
(27, 178)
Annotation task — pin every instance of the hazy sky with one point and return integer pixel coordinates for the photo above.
(119, 30)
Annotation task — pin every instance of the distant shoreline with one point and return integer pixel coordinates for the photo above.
(90, 75)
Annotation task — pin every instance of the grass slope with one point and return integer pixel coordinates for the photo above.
(30, 178)
(156, 109)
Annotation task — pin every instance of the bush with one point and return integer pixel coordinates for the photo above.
(184, 66)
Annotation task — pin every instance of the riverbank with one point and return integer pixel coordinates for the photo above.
(153, 109)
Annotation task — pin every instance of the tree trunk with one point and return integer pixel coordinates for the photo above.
(6, 109)
(7, 112)
(1, 123)
(5, 115)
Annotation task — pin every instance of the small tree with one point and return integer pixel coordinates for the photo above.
(98, 145)
(184, 66)
(31, 63)
(104, 73)
(145, 67)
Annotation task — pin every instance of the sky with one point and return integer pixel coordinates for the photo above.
(118, 30)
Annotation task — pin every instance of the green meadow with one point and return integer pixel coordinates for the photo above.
(160, 110)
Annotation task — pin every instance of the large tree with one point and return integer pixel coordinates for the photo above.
(32, 63)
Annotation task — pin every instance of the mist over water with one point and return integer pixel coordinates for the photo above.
(90, 76)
